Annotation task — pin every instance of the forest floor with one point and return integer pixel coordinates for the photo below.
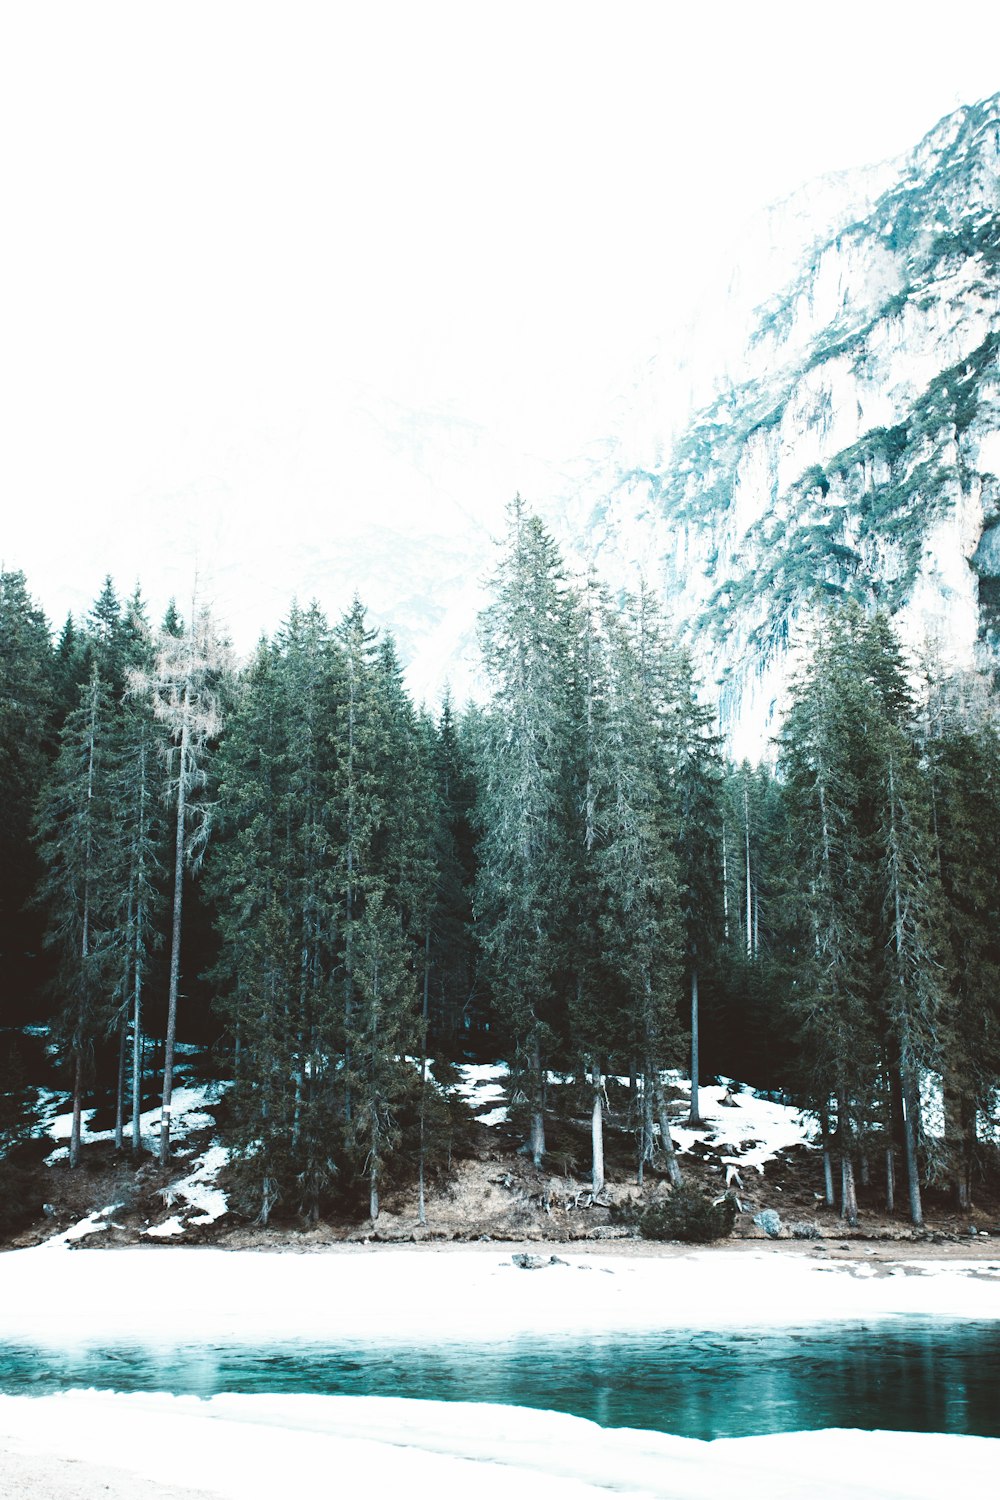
(490, 1192)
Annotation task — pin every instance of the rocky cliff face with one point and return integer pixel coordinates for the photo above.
(845, 437)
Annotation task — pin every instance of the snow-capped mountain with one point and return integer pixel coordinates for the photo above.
(829, 424)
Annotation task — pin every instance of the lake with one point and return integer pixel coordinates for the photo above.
(922, 1375)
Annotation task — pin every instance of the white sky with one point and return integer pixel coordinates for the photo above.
(239, 243)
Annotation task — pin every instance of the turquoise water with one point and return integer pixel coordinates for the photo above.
(914, 1375)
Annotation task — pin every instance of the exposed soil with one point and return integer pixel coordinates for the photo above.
(494, 1194)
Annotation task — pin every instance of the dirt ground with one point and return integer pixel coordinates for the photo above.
(494, 1195)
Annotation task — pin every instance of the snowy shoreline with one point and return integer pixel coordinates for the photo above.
(253, 1447)
(55, 1296)
(76, 1444)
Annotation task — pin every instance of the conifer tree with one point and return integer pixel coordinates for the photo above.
(597, 1022)
(453, 959)
(381, 1029)
(26, 702)
(523, 810)
(640, 916)
(963, 760)
(138, 847)
(69, 670)
(695, 791)
(185, 686)
(831, 1001)
(74, 833)
(868, 902)
(252, 878)
(356, 800)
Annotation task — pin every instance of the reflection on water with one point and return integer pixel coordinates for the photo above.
(914, 1375)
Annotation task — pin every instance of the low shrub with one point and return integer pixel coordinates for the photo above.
(689, 1215)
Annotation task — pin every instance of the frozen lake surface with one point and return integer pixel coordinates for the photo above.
(454, 1373)
(918, 1375)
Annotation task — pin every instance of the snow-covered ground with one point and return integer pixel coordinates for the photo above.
(427, 1293)
(255, 1447)
(745, 1134)
(194, 1196)
(188, 1112)
(483, 1086)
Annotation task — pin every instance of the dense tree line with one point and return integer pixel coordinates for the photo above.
(569, 877)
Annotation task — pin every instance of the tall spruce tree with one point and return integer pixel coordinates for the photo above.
(74, 830)
(596, 1019)
(524, 799)
(868, 997)
(26, 744)
(185, 685)
(641, 919)
(138, 852)
(962, 750)
(695, 793)
(831, 1000)
(250, 873)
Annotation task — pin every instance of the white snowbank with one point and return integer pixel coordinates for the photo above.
(745, 1135)
(483, 1086)
(748, 1133)
(188, 1108)
(422, 1294)
(94, 1223)
(255, 1447)
(167, 1230)
(198, 1190)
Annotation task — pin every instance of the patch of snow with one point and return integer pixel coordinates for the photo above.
(198, 1190)
(932, 1103)
(60, 1128)
(166, 1230)
(415, 1293)
(498, 1116)
(484, 1086)
(748, 1133)
(94, 1223)
(244, 1447)
(187, 1113)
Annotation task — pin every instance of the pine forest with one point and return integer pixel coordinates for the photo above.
(341, 895)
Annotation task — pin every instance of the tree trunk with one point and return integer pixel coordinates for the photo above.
(537, 1106)
(695, 1116)
(957, 1118)
(824, 1129)
(746, 832)
(667, 1145)
(646, 1130)
(120, 1091)
(597, 1133)
(848, 1193)
(897, 1113)
(963, 1184)
(136, 1049)
(425, 1013)
(911, 1118)
(890, 1180)
(76, 1130)
(725, 886)
(175, 946)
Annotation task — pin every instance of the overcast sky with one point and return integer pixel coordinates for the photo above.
(239, 242)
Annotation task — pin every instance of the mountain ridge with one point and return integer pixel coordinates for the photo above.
(851, 451)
